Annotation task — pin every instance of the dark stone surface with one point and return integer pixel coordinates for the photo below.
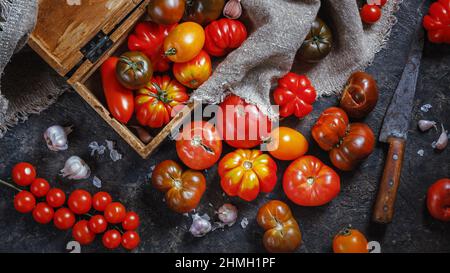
(412, 230)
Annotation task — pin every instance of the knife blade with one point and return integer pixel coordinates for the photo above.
(394, 130)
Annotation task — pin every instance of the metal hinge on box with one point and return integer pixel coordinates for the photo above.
(98, 45)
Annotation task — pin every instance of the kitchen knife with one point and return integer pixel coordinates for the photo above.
(395, 129)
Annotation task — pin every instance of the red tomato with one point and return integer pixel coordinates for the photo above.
(350, 241)
(23, 174)
(245, 173)
(43, 213)
(199, 145)
(247, 127)
(115, 213)
(159, 100)
(437, 22)
(112, 239)
(131, 221)
(82, 234)
(295, 95)
(309, 182)
(438, 200)
(224, 35)
(56, 197)
(24, 202)
(195, 72)
(80, 201)
(379, 3)
(98, 224)
(39, 187)
(63, 219)
(130, 240)
(370, 14)
(120, 100)
(101, 200)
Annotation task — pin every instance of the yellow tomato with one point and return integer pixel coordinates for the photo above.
(184, 42)
(287, 144)
(194, 73)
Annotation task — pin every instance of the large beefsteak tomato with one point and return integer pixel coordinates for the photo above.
(223, 36)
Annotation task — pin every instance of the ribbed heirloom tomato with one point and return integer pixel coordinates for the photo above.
(246, 173)
(287, 144)
(199, 145)
(437, 22)
(309, 182)
(157, 102)
(184, 190)
(184, 42)
(350, 240)
(223, 36)
(194, 73)
(282, 233)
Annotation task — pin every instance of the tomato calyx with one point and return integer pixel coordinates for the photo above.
(170, 52)
(197, 141)
(341, 140)
(310, 181)
(248, 165)
(161, 95)
(135, 66)
(346, 231)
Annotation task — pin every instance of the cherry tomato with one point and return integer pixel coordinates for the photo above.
(80, 201)
(43, 213)
(112, 239)
(184, 190)
(199, 145)
(194, 73)
(370, 14)
(287, 144)
(309, 182)
(282, 233)
(166, 12)
(63, 218)
(101, 200)
(39, 187)
(242, 125)
(24, 202)
(131, 221)
(56, 197)
(184, 42)
(115, 213)
(350, 241)
(98, 224)
(23, 174)
(130, 240)
(438, 200)
(82, 234)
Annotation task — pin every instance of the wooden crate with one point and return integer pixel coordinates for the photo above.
(76, 39)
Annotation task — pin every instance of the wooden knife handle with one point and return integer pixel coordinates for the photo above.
(387, 193)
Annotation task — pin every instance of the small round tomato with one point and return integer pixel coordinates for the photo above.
(63, 219)
(199, 145)
(82, 234)
(80, 201)
(98, 224)
(438, 200)
(184, 42)
(112, 239)
(166, 12)
(287, 144)
(40, 187)
(194, 73)
(309, 182)
(23, 174)
(134, 70)
(282, 233)
(131, 221)
(100, 200)
(24, 202)
(370, 14)
(350, 240)
(184, 190)
(55, 197)
(246, 173)
(130, 240)
(115, 213)
(43, 213)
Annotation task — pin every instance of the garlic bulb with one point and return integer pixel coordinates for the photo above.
(233, 9)
(425, 125)
(75, 168)
(56, 137)
(228, 214)
(200, 225)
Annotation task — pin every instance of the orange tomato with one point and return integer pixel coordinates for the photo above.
(350, 240)
(287, 144)
(194, 73)
(184, 42)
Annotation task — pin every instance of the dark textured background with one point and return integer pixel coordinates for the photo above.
(412, 230)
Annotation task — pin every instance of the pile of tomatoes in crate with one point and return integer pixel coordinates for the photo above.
(180, 38)
(47, 204)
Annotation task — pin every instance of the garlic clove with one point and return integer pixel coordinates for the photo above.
(228, 214)
(75, 168)
(425, 125)
(233, 9)
(56, 137)
(201, 225)
(442, 141)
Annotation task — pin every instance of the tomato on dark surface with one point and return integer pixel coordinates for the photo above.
(100, 200)
(98, 224)
(350, 240)
(438, 199)
(115, 213)
(63, 219)
(130, 240)
(23, 174)
(318, 43)
(43, 213)
(56, 197)
(80, 201)
(82, 234)
(24, 202)
(39, 187)
(112, 239)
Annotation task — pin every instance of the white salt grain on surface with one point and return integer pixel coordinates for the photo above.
(426, 107)
(421, 152)
(97, 182)
(96, 148)
(244, 222)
